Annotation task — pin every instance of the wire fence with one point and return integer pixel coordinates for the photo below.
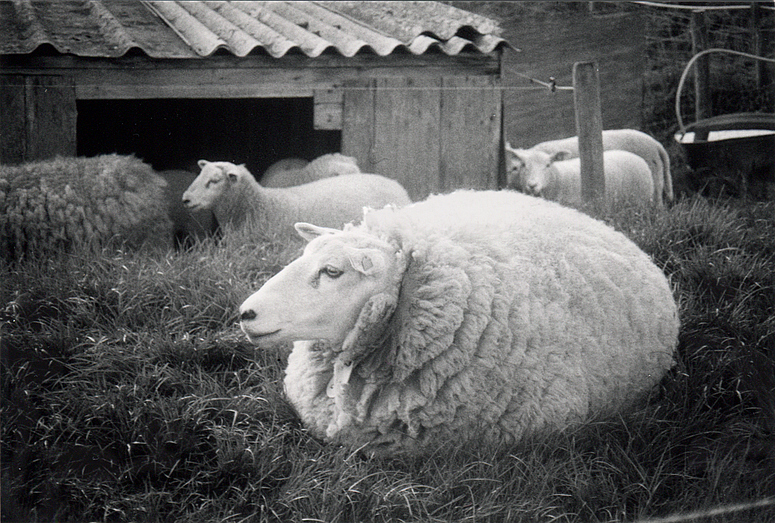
(734, 83)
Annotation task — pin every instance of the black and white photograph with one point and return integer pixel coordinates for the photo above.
(387, 261)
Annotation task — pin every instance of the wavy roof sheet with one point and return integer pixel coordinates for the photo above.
(190, 29)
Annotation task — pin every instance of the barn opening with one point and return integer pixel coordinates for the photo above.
(176, 133)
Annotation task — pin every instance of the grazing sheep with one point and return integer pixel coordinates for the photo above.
(236, 197)
(81, 202)
(484, 316)
(187, 226)
(630, 140)
(332, 164)
(554, 177)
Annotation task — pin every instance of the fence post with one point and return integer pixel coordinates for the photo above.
(699, 29)
(589, 127)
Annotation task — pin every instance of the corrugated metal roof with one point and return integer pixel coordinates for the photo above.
(190, 29)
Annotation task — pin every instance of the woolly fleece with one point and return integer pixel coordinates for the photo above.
(69, 202)
(551, 176)
(332, 164)
(507, 315)
(631, 140)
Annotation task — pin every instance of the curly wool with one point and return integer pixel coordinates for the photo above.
(513, 316)
(77, 202)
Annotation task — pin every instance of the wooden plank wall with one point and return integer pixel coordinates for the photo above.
(550, 46)
(38, 117)
(432, 135)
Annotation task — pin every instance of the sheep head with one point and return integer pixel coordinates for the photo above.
(528, 170)
(344, 283)
(215, 180)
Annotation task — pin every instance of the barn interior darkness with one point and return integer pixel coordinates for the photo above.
(176, 133)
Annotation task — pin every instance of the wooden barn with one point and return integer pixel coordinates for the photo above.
(411, 89)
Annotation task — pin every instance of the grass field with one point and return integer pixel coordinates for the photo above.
(128, 394)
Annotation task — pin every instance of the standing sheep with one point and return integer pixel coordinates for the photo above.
(81, 202)
(482, 316)
(235, 197)
(555, 177)
(333, 164)
(636, 142)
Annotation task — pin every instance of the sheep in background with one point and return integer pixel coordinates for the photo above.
(333, 164)
(636, 142)
(475, 316)
(187, 226)
(286, 164)
(235, 197)
(554, 177)
(81, 202)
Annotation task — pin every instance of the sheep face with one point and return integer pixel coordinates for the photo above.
(320, 295)
(529, 170)
(214, 181)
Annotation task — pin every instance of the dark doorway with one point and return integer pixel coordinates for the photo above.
(176, 133)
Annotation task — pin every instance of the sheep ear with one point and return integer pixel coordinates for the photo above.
(365, 261)
(309, 232)
(515, 157)
(560, 156)
(202, 163)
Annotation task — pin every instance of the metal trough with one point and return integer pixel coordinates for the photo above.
(733, 143)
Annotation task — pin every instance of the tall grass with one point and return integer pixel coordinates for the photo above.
(128, 394)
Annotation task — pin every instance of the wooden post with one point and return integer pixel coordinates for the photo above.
(758, 46)
(702, 105)
(589, 127)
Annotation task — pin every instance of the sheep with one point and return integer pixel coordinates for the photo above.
(485, 316)
(187, 226)
(636, 142)
(69, 202)
(333, 164)
(555, 177)
(236, 198)
(286, 164)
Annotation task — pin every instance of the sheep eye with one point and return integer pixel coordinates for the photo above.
(331, 272)
(211, 182)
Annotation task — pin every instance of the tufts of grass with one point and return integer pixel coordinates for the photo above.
(130, 395)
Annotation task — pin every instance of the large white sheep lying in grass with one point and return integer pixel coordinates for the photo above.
(631, 140)
(237, 198)
(81, 202)
(333, 164)
(555, 177)
(483, 316)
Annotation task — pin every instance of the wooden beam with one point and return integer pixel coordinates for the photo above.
(328, 109)
(227, 77)
(589, 127)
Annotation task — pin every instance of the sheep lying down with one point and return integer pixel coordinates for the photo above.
(474, 315)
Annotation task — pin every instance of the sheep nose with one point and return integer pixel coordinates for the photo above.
(248, 315)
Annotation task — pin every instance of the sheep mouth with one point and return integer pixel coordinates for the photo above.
(258, 338)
